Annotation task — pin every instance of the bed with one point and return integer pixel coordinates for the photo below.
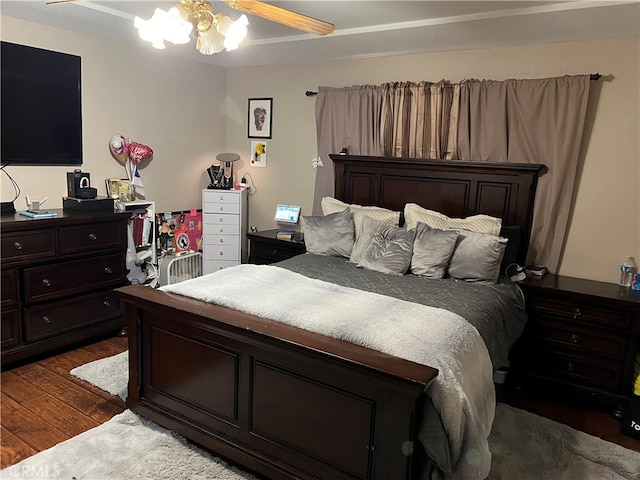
(288, 402)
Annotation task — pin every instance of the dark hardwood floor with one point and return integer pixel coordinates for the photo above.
(42, 404)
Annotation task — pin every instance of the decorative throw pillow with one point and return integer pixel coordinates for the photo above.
(477, 257)
(476, 223)
(330, 235)
(388, 217)
(432, 250)
(383, 248)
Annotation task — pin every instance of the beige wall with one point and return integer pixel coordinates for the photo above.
(605, 225)
(178, 108)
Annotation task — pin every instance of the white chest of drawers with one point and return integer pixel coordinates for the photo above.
(224, 228)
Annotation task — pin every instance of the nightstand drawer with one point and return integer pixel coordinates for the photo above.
(583, 313)
(274, 253)
(49, 282)
(54, 318)
(576, 369)
(28, 245)
(565, 337)
(93, 237)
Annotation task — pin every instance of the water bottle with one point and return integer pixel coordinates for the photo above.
(627, 271)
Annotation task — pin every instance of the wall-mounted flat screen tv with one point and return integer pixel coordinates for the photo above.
(41, 103)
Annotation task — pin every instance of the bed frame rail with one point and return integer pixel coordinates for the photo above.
(284, 402)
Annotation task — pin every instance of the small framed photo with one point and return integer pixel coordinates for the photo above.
(259, 116)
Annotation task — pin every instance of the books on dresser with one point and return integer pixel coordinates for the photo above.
(38, 213)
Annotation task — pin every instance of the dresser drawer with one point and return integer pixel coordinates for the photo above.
(565, 337)
(9, 288)
(211, 266)
(92, 237)
(215, 197)
(49, 282)
(216, 208)
(10, 329)
(221, 252)
(28, 245)
(582, 313)
(58, 317)
(228, 240)
(213, 223)
(576, 369)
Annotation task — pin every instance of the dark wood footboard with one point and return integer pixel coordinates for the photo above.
(274, 399)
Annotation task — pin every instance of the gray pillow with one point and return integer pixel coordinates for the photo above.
(432, 250)
(330, 235)
(383, 248)
(477, 257)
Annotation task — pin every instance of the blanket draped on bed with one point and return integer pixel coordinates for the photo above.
(462, 393)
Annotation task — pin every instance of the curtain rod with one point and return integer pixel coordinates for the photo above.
(593, 76)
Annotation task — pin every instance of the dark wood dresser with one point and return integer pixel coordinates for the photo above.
(265, 247)
(582, 335)
(58, 274)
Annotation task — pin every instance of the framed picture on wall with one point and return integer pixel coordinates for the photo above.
(259, 117)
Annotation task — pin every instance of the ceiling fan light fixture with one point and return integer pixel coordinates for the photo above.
(164, 26)
(209, 42)
(233, 32)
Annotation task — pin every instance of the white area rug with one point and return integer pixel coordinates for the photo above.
(524, 446)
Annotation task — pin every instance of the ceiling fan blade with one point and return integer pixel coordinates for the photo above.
(55, 2)
(280, 15)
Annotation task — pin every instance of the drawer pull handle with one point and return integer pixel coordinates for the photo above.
(221, 197)
(46, 282)
(106, 303)
(221, 240)
(108, 270)
(577, 314)
(221, 230)
(221, 253)
(570, 366)
(93, 236)
(17, 245)
(46, 320)
(574, 338)
(221, 219)
(221, 208)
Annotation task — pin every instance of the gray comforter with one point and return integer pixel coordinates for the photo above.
(497, 311)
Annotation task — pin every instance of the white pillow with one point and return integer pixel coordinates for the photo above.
(476, 223)
(388, 217)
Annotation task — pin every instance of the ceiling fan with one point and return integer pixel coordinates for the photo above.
(197, 10)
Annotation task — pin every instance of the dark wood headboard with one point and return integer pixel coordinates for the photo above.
(455, 188)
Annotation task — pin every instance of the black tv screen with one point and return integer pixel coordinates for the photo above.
(41, 106)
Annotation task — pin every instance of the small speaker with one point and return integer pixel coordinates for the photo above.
(76, 181)
(88, 193)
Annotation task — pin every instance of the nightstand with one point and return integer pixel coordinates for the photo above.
(582, 335)
(264, 247)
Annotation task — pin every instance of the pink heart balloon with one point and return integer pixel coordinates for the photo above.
(119, 147)
(139, 153)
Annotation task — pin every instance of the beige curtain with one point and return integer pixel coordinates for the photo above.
(530, 121)
(345, 117)
(420, 120)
